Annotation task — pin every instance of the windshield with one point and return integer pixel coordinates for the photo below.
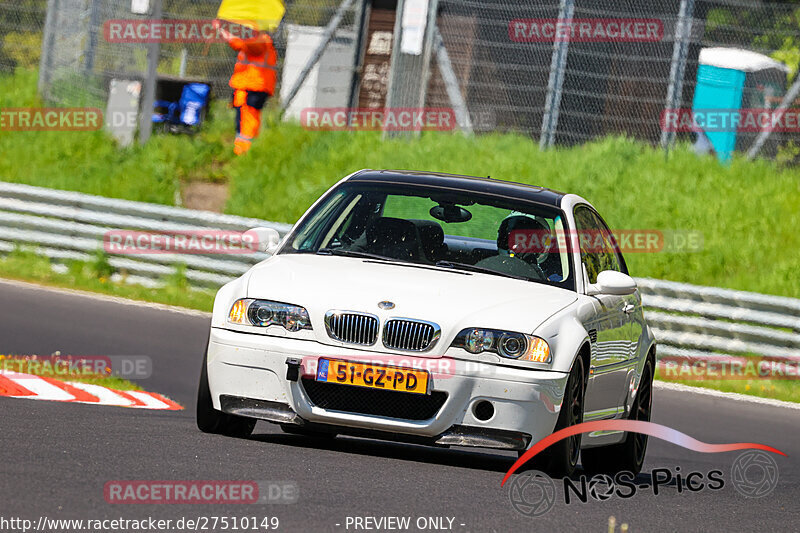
(438, 227)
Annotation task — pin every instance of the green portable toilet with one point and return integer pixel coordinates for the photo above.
(732, 79)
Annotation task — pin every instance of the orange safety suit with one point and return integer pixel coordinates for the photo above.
(253, 81)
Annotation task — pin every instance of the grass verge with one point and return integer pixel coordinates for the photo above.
(90, 161)
(24, 265)
(776, 389)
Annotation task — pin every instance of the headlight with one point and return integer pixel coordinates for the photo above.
(478, 340)
(512, 345)
(264, 313)
(506, 344)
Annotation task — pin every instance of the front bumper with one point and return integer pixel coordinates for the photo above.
(250, 371)
(281, 413)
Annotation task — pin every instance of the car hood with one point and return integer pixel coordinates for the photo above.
(452, 299)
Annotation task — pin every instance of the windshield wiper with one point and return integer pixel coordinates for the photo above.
(353, 253)
(473, 268)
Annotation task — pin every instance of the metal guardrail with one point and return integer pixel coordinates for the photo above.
(68, 226)
(689, 321)
(708, 323)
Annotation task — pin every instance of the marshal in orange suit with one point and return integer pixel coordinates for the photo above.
(253, 82)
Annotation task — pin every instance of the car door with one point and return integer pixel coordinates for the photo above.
(610, 327)
(632, 308)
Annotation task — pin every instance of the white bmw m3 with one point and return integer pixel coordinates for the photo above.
(439, 309)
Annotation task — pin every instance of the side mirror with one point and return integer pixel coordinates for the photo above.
(613, 283)
(262, 239)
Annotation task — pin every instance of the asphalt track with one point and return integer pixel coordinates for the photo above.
(55, 458)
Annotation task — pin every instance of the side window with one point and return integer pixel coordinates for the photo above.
(598, 248)
(614, 256)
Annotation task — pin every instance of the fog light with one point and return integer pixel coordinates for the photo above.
(483, 410)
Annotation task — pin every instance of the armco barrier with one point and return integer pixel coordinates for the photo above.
(706, 322)
(67, 226)
(688, 320)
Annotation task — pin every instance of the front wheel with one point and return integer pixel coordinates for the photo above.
(561, 458)
(627, 456)
(209, 420)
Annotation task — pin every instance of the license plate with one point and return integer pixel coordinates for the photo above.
(373, 376)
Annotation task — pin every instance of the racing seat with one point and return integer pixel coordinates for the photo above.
(431, 235)
(396, 238)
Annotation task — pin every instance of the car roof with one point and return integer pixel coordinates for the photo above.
(508, 189)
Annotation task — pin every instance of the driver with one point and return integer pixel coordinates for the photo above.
(517, 256)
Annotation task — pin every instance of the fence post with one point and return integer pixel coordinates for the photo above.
(91, 48)
(146, 113)
(46, 60)
(680, 54)
(451, 84)
(184, 60)
(555, 84)
(358, 56)
(408, 81)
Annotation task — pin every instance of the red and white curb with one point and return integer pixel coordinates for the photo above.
(16, 385)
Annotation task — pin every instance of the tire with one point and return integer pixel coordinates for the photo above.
(561, 459)
(311, 433)
(629, 454)
(209, 420)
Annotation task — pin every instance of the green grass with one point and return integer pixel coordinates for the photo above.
(778, 389)
(747, 212)
(24, 265)
(90, 161)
